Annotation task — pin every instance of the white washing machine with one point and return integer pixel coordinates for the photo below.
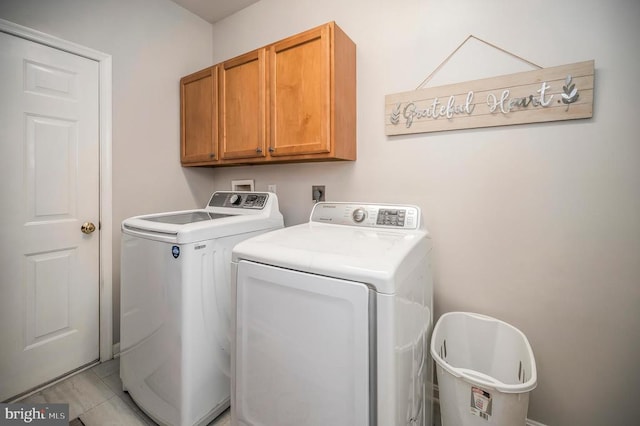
(333, 319)
(175, 304)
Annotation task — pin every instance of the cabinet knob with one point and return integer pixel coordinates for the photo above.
(259, 150)
(271, 149)
(212, 155)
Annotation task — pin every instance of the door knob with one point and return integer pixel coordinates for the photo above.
(87, 228)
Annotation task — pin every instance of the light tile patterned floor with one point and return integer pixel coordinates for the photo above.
(96, 398)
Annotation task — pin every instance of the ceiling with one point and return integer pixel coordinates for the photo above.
(214, 10)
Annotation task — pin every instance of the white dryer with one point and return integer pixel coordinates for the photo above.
(175, 304)
(333, 319)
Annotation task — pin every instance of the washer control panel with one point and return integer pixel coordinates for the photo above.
(241, 200)
(367, 215)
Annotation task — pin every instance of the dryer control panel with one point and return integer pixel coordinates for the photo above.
(367, 215)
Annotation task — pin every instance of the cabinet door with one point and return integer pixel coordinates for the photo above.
(243, 106)
(198, 110)
(300, 94)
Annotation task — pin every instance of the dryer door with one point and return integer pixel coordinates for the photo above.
(303, 346)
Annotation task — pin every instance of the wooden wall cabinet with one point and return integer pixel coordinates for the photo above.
(242, 101)
(291, 101)
(199, 117)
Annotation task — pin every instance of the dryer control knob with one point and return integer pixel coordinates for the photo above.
(359, 215)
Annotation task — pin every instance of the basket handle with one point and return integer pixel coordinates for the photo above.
(478, 377)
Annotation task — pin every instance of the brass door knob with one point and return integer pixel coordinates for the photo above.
(87, 228)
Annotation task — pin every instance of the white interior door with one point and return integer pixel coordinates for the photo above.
(49, 167)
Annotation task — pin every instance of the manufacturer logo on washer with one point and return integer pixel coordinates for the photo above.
(175, 251)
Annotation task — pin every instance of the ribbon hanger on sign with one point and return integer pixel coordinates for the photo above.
(470, 36)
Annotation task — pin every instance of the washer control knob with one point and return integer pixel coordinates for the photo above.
(235, 199)
(359, 215)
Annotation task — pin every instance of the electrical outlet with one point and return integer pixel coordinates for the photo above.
(317, 193)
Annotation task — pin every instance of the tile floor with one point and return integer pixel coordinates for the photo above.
(96, 398)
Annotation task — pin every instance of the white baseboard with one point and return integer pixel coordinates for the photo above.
(116, 350)
(534, 423)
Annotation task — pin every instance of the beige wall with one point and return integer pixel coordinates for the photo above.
(538, 225)
(153, 43)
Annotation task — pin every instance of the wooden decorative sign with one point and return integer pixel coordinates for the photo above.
(547, 94)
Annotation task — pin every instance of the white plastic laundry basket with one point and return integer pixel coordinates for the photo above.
(485, 369)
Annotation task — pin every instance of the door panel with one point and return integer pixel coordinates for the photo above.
(302, 349)
(47, 80)
(47, 287)
(300, 94)
(49, 167)
(198, 103)
(51, 145)
(243, 106)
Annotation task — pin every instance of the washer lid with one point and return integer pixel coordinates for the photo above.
(378, 257)
(227, 213)
(186, 217)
